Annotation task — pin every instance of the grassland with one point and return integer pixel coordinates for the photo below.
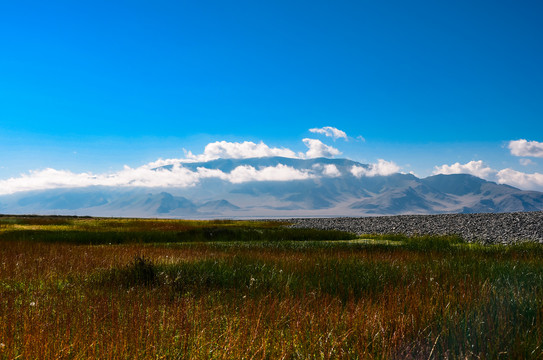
(78, 288)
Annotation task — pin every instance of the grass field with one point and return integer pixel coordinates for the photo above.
(79, 288)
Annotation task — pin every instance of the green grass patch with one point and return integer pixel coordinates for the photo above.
(203, 234)
(245, 275)
(91, 231)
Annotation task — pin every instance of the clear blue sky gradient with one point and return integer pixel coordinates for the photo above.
(93, 85)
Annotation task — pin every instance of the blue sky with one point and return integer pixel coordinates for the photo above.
(90, 86)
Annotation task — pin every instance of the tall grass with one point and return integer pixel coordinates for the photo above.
(421, 298)
(90, 231)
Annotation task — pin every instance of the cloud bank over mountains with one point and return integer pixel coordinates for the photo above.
(164, 173)
(476, 168)
(235, 150)
(521, 180)
(523, 148)
(148, 176)
(381, 168)
(170, 173)
(507, 176)
(249, 149)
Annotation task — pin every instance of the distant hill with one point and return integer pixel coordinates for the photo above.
(331, 190)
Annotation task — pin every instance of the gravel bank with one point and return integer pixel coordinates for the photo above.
(504, 228)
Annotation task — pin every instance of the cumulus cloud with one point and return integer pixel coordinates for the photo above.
(138, 177)
(238, 150)
(331, 170)
(506, 176)
(476, 168)
(330, 132)
(280, 172)
(44, 179)
(381, 168)
(521, 180)
(248, 149)
(318, 149)
(155, 174)
(178, 176)
(523, 147)
(326, 170)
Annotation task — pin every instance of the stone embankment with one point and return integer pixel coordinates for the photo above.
(503, 228)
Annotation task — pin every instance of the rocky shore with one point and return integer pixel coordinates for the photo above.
(497, 228)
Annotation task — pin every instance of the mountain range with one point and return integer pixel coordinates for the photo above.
(328, 187)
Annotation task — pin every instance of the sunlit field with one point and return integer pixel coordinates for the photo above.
(78, 288)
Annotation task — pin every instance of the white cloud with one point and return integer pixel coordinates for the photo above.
(318, 149)
(361, 138)
(47, 178)
(331, 170)
(526, 162)
(476, 168)
(236, 150)
(144, 176)
(280, 172)
(382, 168)
(330, 132)
(154, 174)
(205, 173)
(248, 149)
(138, 177)
(506, 176)
(526, 148)
(521, 180)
